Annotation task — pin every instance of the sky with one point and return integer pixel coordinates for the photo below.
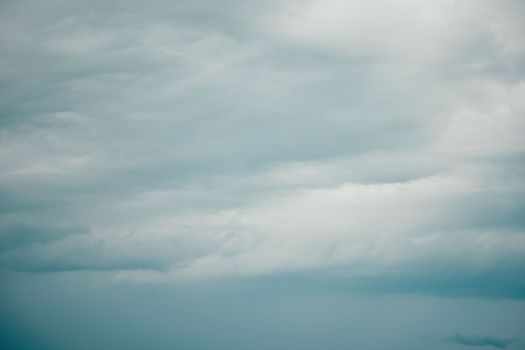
(262, 174)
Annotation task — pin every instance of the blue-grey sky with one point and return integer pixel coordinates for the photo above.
(292, 174)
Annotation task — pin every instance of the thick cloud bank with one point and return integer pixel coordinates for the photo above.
(379, 142)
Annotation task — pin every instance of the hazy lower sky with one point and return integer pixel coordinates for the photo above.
(262, 174)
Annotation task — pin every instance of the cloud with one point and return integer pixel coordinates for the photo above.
(447, 36)
(482, 341)
(297, 174)
(19, 235)
(219, 140)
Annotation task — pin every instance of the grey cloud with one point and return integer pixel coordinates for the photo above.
(302, 174)
(20, 235)
(480, 341)
(127, 119)
(24, 264)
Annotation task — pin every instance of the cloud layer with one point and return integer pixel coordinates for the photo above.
(210, 140)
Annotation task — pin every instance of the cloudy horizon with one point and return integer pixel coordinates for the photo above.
(207, 174)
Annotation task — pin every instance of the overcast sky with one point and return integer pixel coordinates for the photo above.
(292, 174)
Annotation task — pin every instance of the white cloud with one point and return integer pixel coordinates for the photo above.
(407, 29)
